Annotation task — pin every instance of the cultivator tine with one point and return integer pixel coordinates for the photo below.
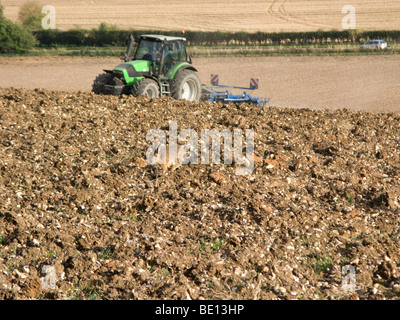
(215, 95)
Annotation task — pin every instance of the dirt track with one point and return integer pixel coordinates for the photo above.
(369, 83)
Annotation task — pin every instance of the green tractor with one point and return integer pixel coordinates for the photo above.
(159, 67)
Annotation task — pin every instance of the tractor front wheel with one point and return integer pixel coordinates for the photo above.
(101, 80)
(186, 86)
(148, 88)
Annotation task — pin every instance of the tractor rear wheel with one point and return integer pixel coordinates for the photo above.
(101, 80)
(186, 86)
(148, 88)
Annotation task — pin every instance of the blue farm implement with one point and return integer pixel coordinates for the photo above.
(218, 92)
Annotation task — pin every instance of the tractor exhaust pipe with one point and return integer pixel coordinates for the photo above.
(129, 41)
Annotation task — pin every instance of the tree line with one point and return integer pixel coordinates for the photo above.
(111, 36)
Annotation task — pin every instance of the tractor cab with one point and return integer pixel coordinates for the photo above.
(164, 53)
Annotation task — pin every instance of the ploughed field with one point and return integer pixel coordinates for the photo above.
(79, 201)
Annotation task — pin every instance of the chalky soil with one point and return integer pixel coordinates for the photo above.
(79, 200)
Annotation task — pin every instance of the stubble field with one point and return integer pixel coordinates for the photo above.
(208, 15)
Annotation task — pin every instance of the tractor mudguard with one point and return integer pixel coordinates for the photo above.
(180, 67)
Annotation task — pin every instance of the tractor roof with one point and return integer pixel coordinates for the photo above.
(161, 37)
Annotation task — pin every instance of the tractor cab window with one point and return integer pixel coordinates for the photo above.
(181, 51)
(148, 50)
(175, 50)
(152, 50)
(175, 53)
